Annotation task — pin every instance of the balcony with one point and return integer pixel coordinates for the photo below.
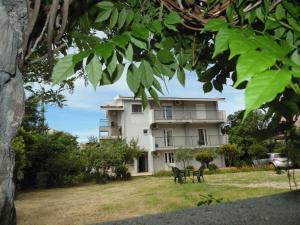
(178, 115)
(188, 142)
(108, 129)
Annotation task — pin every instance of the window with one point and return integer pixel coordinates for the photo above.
(137, 108)
(202, 137)
(168, 138)
(145, 131)
(168, 112)
(169, 157)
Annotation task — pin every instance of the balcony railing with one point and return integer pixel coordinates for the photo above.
(178, 114)
(108, 128)
(188, 141)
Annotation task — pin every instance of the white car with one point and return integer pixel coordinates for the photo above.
(278, 160)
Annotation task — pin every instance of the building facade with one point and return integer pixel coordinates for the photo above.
(178, 123)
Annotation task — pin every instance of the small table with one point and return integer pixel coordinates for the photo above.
(187, 173)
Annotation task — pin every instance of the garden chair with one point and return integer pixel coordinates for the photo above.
(177, 175)
(199, 173)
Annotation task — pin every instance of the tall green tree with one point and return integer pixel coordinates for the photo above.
(184, 156)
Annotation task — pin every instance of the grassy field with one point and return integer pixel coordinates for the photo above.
(144, 195)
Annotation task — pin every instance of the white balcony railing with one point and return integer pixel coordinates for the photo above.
(178, 114)
(188, 141)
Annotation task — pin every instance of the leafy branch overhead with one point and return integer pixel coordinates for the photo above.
(253, 43)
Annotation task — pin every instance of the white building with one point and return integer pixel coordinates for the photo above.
(179, 122)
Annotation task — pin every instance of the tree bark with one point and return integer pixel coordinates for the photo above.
(13, 17)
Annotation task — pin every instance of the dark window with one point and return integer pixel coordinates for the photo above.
(137, 108)
(145, 131)
(171, 157)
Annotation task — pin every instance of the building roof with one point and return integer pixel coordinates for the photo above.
(173, 99)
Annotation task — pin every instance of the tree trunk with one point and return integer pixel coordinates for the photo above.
(12, 22)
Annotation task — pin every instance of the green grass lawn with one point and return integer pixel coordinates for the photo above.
(92, 203)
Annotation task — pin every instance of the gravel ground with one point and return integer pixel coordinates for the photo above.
(280, 209)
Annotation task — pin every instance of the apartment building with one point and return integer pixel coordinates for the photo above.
(179, 123)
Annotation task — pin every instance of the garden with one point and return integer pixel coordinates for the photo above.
(92, 203)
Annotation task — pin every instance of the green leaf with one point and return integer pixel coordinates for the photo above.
(63, 69)
(251, 63)
(80, 56)
(207, 87)
(121, 40)
(129, 16)
(113, 18)
(155, 26)
(94, 71)
(103, 16)
(264, 87)
(157, 85)
(117, 73)
(104, 49)
(133, 78)
(171, 27)
(122, 18)
(165, 56)
(163, 69)
(238, 47)
(106, 79)
(215, 24)
(146, 74)
(295, 57)
(144, 99)
(112, 65)
(138, 43)
(129, 53)
(267, 43)
(105, 5)
(154, 95)
(181, 76)
(140, 31)
(221, 41)
(173, 18)
(229, 13)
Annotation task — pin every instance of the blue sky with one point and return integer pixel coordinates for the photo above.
(82, 114)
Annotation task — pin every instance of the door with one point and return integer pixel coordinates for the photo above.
(200, 111)
(168, 137)
(168, 112)
(202, 139)
(143, 162)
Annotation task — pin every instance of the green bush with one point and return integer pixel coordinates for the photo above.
(257, 150)
(122, 173)
(230, 153)
(212, 167)
(206, 156)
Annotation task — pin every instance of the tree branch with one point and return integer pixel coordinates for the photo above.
(32, 50)
(32, 17)
(64, 20)
(52, 15)
(54, 51)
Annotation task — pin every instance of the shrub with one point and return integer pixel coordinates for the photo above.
(230, 153)
(184, 155)
(212, 167)
(122, 173)
(257, 150)
(206, 156)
